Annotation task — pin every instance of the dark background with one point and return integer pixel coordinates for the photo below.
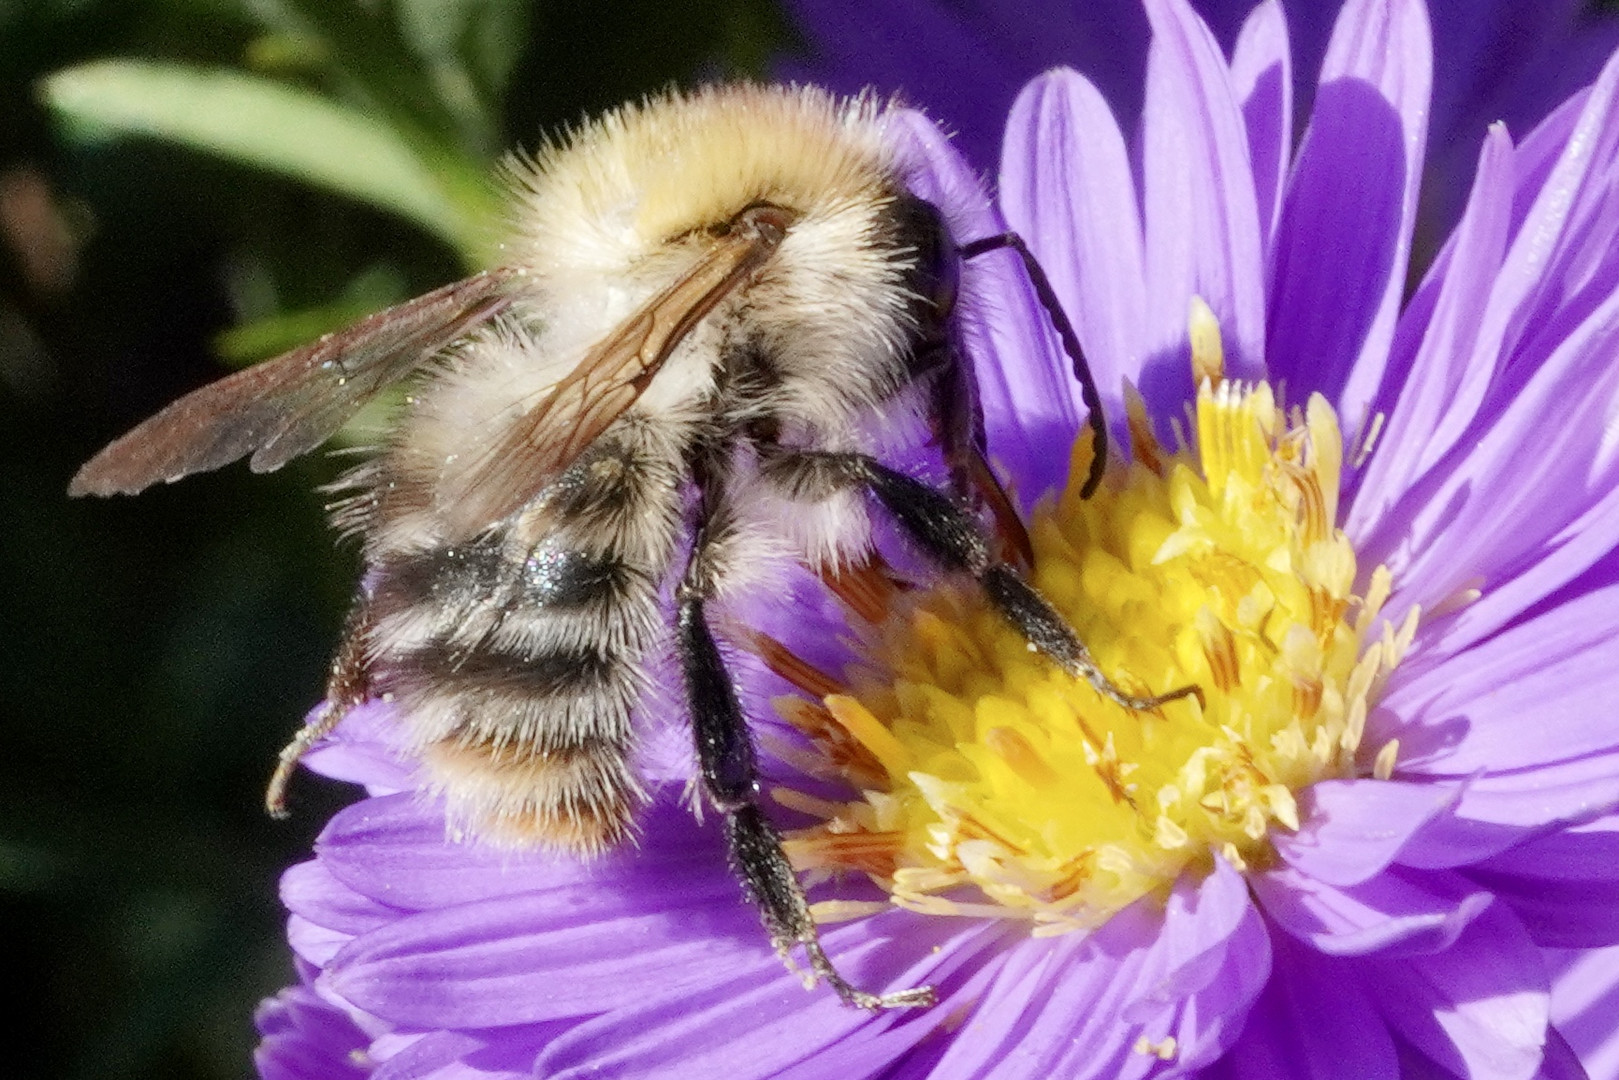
(156, 652)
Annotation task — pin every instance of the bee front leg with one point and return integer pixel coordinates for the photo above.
(958, 427)
(951, 536)
(347, 685)
(730, 777)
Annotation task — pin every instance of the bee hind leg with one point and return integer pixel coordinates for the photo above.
(730, 777)
(347, 685)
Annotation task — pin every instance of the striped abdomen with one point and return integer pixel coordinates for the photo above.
(515, 660)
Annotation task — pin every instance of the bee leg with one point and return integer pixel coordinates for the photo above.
(958, 426)
(347, 685)
(951, 536)
(730, 776)
(1066, 335)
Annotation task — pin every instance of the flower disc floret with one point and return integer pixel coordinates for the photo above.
(994, 783)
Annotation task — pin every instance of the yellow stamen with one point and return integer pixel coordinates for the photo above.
(993, 784)
(1208, 352)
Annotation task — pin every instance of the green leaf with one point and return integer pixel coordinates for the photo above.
(482, 37)
(281, 128)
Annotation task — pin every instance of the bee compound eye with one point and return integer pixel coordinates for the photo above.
(936, 275)
(767, 219)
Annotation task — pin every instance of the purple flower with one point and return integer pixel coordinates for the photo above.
(966, 62)
(1383, 845)
(308, 1038)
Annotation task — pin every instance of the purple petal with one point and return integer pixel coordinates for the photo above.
(906, 1049)
(1406, 913)
(753, 1021)
(1441, 394)
(363, 751)
(1026, 386)
(1202, 220)
(311, 891)
(1544, 479)
(1066, 186)
(1339, 261)
(540, 956)
(1576, 559)
(1585, 1002)
(1553, 677)
(1562, 886)
(1314, 1021)
(1479, 1009)
(1262, 75)
(1497, 811)
(966, 65)
(455, 1055)
(305, 1038)
(314, 944)
(1545, 338)
(1559, 1060)
(1000, 1023)
(1563, 248)
(1079, 1009)
(1199, 924)
(1533, 163)
(1353, 829)
(395, 848)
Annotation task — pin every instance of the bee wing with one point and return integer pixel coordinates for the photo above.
(291, 404)
(548, 438)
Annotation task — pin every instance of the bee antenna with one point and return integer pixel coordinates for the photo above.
(1070, 344)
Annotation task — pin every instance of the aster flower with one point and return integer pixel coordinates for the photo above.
(1382, 543)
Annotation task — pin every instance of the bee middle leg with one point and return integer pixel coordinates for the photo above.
(730, 778)
(952, 537)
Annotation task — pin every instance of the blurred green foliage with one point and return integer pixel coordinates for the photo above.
(181, 178)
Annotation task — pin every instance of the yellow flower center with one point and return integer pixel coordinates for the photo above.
(992, 783)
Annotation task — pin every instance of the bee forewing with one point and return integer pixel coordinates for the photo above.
(613, 374)
(287, 406)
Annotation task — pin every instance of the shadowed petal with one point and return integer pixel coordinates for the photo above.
(394, 847)
(1439, 394)
(1352, 829)
(1354, 194)
(1314, 1021)
(1563, 886)
(1202, 220)
(1262, 75)
(305, 1038)
(1479, 1008)
(1585, 999)
(1495, 811)
(1399, 913)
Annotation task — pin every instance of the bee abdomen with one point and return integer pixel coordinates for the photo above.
(580, 799)
(554, 700)
(517, 677)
